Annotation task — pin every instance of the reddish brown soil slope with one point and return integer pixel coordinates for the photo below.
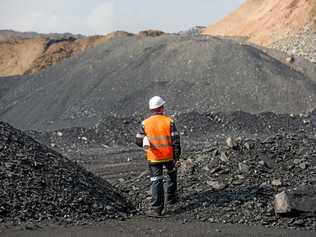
(266, 21)
(23, 56)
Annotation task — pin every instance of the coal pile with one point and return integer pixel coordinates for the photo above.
(111, 131)
(8, 83)
(114, 131)
(237, 182)
(40, 185)
(205, 125)
(192, 73)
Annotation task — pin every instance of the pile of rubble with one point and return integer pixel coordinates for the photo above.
(40, 185)
(247, 181)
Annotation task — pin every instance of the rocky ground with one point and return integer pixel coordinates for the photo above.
(238, 184)
(234, 165)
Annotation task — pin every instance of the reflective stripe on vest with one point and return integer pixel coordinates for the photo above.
(156, 178)
(159, 138)
(157, 129)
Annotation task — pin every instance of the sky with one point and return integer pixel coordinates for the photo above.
(92, 17)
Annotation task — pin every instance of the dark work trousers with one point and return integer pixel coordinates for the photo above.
(157, 186)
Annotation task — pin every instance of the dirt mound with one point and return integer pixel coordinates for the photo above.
(17, 56)
(28, 56)
(266, 21)
(38, 184)
(59, 51)
(201, 73)
(269, 21)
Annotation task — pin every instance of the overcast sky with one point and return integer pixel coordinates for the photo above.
(104, 16)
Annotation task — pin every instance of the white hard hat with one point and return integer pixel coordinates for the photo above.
(156, 102)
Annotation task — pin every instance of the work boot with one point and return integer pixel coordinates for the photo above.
(153, 213)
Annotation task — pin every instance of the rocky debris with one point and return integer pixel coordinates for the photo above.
(244, 188)
(206, 73)
(40, 185)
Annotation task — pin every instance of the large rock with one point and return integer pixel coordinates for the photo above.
(301, 201)
(281, 203)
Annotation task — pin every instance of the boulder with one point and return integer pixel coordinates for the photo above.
(300, 201)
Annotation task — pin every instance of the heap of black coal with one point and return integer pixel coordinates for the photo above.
(118, 77)
(193, 126)
(39, 184)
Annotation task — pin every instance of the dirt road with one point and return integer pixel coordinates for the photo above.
(157, 227)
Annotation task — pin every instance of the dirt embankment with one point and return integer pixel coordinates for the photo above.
(268, 22)
(19, 56)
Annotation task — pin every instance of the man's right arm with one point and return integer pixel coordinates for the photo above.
(140, 136)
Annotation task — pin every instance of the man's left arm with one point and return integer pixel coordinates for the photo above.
(140, 136)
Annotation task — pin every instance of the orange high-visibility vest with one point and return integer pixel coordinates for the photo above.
(158, 131)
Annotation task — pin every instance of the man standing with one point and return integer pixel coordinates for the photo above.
(160, 138)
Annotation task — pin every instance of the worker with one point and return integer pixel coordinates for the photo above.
(161, 140)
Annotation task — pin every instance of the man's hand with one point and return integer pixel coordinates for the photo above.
(177, 164)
